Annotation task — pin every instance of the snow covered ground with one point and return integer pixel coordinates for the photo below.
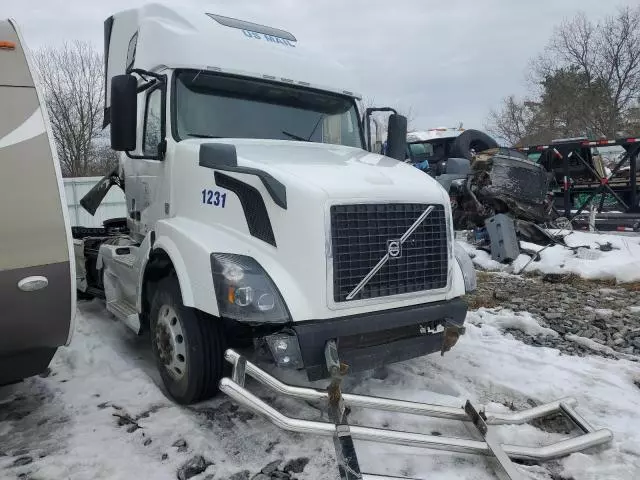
(101, 414)
(586, 258)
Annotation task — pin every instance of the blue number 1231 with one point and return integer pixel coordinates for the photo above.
(215, 198)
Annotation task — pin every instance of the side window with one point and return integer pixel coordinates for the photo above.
(131, 50)
(152, 121)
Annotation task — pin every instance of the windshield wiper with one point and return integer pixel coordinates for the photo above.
(308, 139)
(295, 137)
(201, 135)
(316, 127)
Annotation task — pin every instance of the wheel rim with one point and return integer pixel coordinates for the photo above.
(171, 343)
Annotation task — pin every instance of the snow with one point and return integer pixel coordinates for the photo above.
(506, 319)
(69, 416)
(621, 264)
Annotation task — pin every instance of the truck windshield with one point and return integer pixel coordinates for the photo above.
(219, 106)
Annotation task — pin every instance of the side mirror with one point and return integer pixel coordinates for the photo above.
(124, 112)
(397, 137)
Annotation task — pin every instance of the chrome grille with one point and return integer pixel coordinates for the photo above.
(362, 234)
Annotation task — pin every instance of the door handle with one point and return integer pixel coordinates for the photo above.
(31, 284)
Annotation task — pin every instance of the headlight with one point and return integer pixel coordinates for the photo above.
(466, 265)
(244, 290)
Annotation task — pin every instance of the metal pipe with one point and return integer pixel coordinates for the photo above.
(560, 449)
(525, 416)
(363, 401)
(238, 374)
(253, 403)
(393, 405)
(410, 439)
(581, 423)
(369, 434)
(633, 158)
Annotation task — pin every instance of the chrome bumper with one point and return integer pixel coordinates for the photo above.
(234, 388)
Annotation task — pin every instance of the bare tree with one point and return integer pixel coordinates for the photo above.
(587, 82)
(512, 121)
(104, 159)
(608, 55)
(411, 117)
(72, 78)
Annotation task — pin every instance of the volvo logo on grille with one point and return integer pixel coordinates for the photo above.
(394, 248)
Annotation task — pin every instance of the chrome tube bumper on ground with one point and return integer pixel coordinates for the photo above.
(234, 388)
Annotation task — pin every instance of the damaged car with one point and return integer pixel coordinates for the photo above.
(483, 182)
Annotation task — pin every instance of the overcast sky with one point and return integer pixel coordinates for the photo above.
(450, 61)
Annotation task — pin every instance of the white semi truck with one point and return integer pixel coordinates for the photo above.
(258, 224)
(256, 218)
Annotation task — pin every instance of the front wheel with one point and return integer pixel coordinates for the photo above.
(188, 346)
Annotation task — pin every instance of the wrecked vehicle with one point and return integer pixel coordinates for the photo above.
(501, 180)
(436, 145)
(482, 179)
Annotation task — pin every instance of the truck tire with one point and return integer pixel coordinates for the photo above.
(188, 346)
(468, 140)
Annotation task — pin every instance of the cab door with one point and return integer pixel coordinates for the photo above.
(37, 284)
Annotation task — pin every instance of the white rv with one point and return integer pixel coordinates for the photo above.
(256, 216)
(37, 279)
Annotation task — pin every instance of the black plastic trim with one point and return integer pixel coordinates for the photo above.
(223, 156)
(313, 335)
(253, 206)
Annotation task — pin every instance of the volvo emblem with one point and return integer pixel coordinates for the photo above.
(394, 248)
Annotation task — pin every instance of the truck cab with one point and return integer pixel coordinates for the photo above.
(256, 218)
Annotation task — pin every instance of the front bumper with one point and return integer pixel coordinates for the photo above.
(375, 339)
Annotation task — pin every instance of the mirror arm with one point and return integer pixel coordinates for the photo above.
(146, 86)
(367, 116)
(162, 79)
(140, 71)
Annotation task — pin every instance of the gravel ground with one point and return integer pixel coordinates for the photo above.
(590, 316)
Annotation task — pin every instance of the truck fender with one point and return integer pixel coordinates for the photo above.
(167, 245)
(189, 245)
(457, 282)
(143, 259)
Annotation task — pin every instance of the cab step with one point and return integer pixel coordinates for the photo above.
(125, 312)
(344, 434)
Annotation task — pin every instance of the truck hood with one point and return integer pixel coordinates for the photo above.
(293, 242)
(338, 171)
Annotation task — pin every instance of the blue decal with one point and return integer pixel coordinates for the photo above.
(215, 198)
(268, 38)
